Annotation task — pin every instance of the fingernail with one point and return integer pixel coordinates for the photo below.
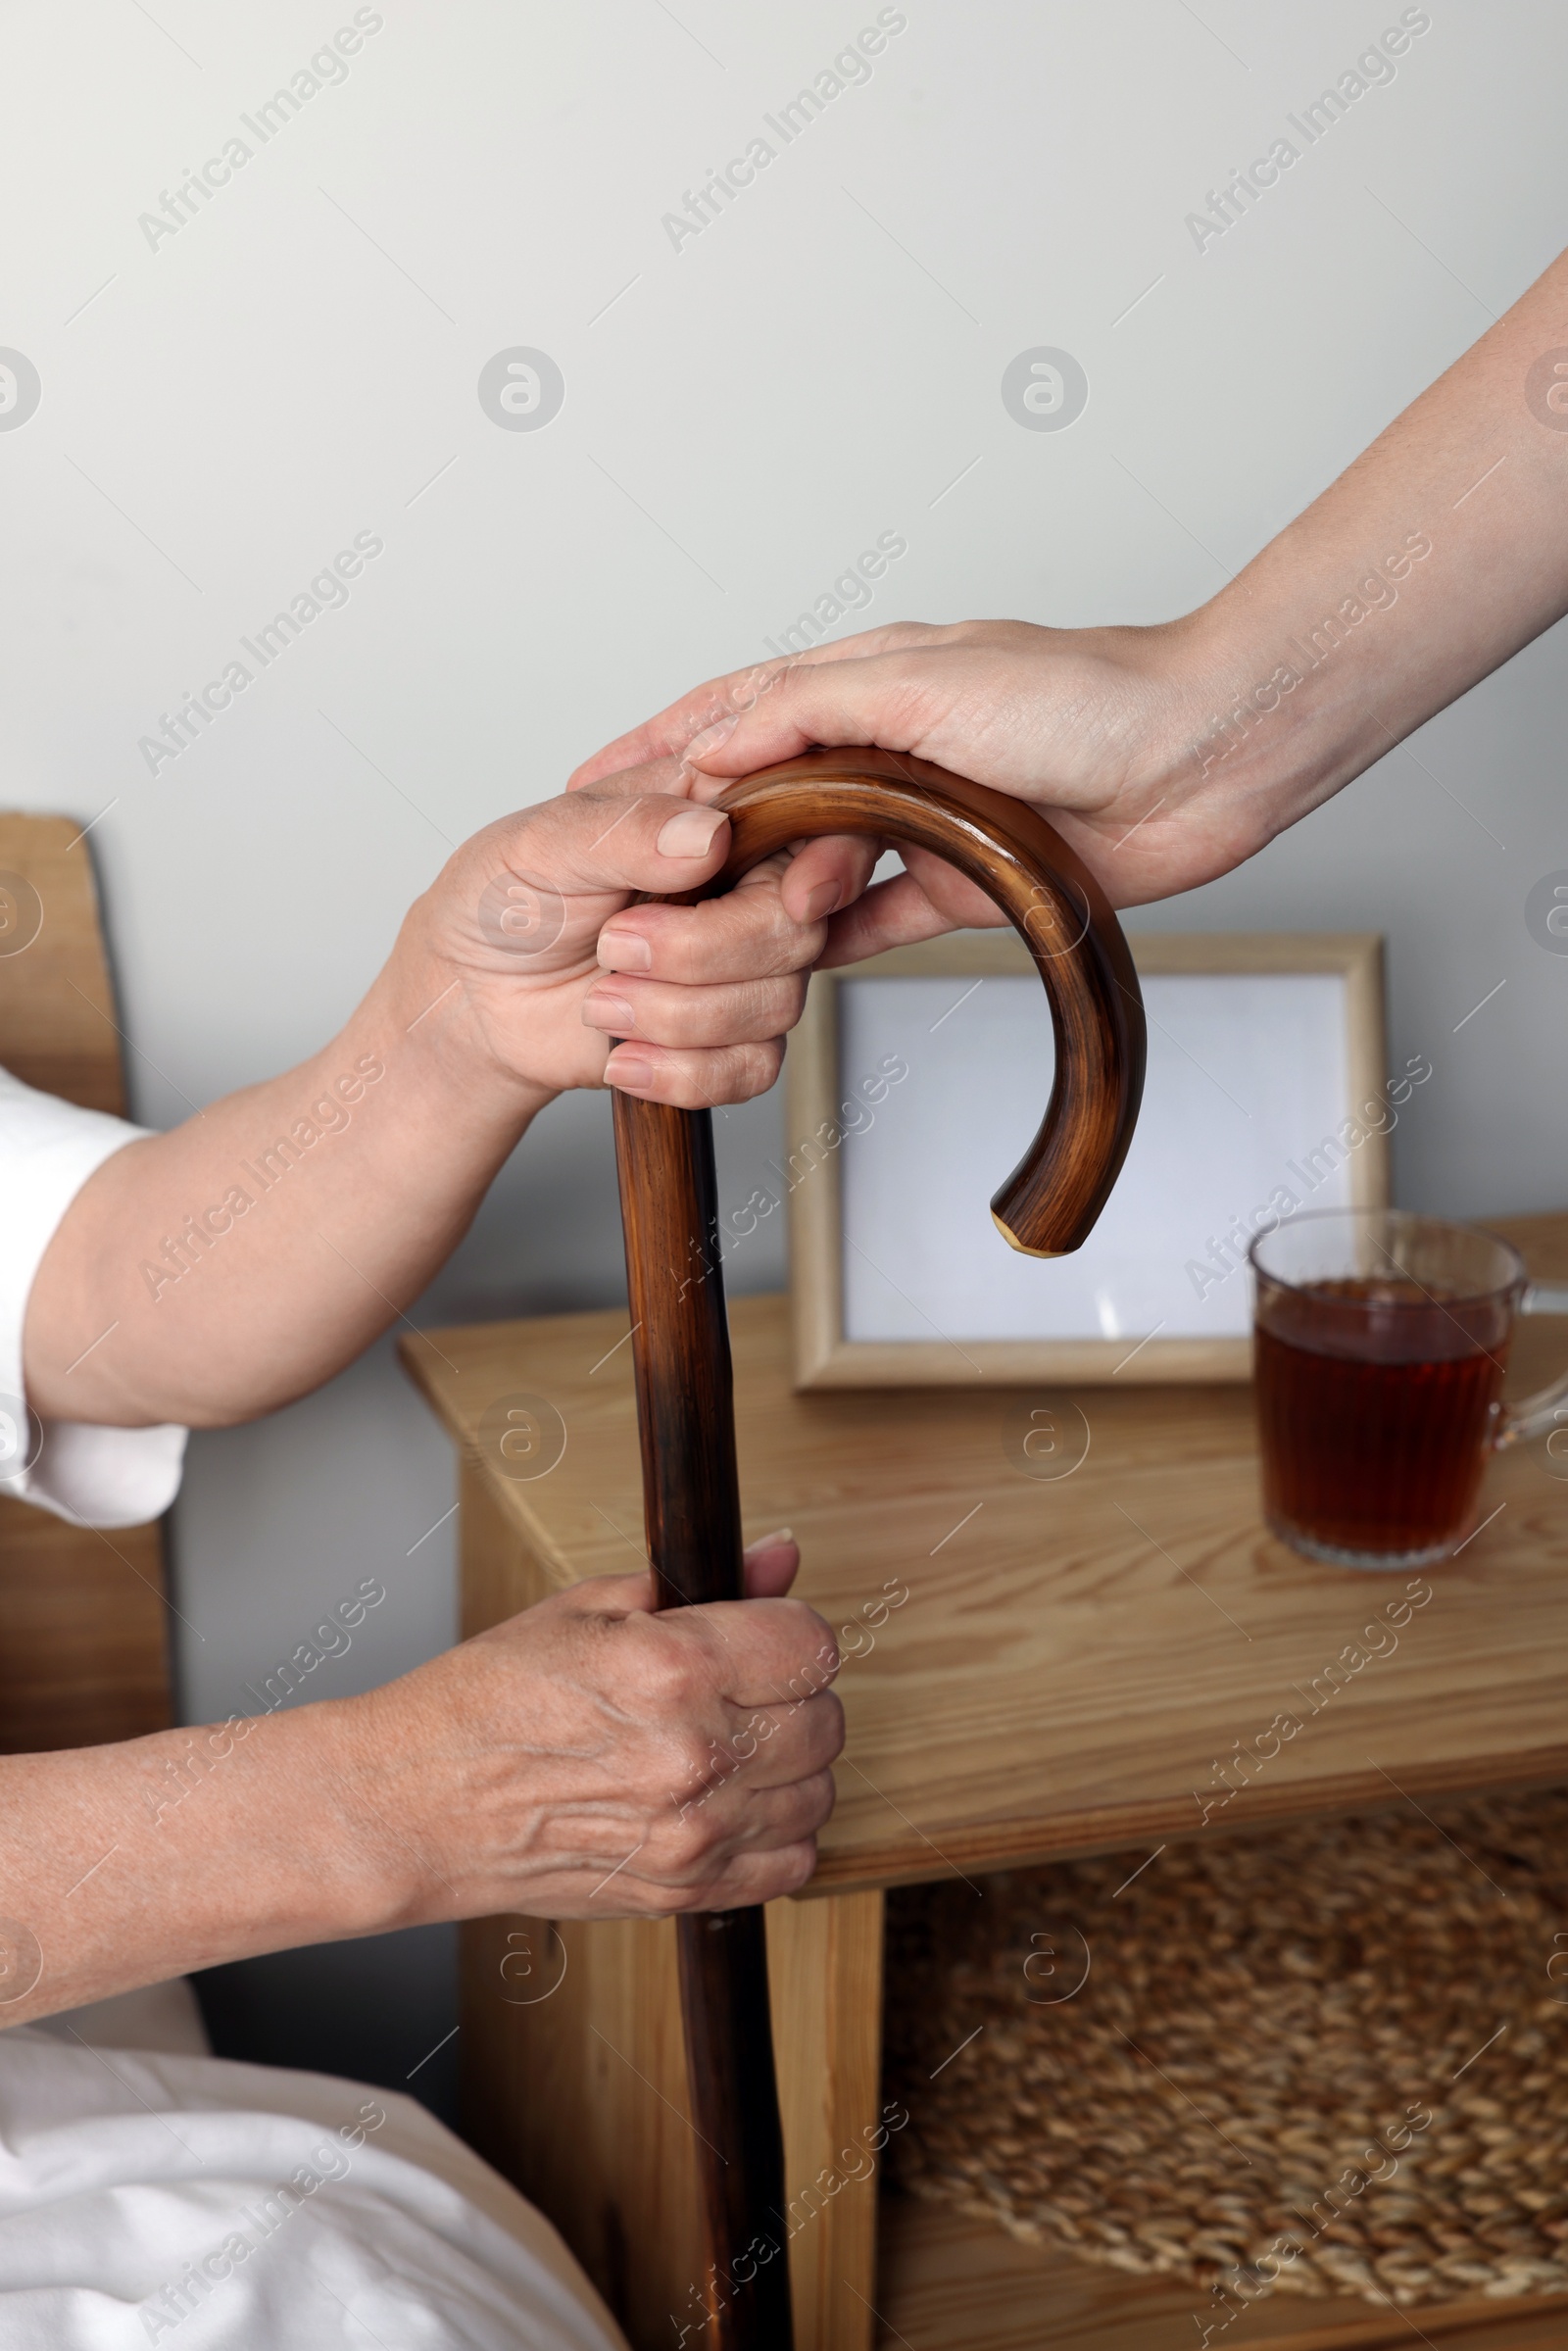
(822, 901)
(765, 1543)
(712, 736)
(691, 833)
(627, 1072)
(611, 1012)
(623, 950)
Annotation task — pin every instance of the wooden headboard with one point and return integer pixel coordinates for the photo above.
(83, 1617)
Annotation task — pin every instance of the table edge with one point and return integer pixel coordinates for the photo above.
(1035, 1842)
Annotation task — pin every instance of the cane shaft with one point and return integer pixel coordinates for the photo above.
(685, 1410)
(691, 1502)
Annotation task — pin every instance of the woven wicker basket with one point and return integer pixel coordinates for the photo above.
(1324, 2059)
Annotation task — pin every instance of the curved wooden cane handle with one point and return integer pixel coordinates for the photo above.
(1049, 1203)
(685, 1410)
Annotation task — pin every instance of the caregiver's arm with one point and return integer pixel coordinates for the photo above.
(587, 1759)
(1168, 754)
(216, 1271)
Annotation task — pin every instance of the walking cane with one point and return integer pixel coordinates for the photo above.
(685, 1412)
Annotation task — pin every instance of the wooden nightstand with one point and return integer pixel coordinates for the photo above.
(1071, 1658)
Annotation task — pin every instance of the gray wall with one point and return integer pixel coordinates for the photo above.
(224, 407)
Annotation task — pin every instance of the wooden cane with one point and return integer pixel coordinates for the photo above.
(685, 1412)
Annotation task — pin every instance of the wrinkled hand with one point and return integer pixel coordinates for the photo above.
(591, 1759)
(1097, 728)
(703, 995)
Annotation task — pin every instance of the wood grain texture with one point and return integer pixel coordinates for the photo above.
(1075, 1656)
(575, 2078)
(824, 1359)
(825, 1967)
(1028, 1700)
(83, 1632)
(692, 1523)
(681, 1369)
(83, 1621)
(680, 1350)
(575, 2087)
(947, 2283)
(57, 1007)
(1050, 1200)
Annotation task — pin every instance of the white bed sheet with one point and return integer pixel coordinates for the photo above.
(127, 2179)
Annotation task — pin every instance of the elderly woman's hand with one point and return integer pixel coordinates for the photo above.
(529, 928)
(222, 1270)
(589, 1758)
(586, 1759)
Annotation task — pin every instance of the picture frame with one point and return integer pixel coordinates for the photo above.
(887, 1181)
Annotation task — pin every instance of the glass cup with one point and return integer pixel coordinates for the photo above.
(1381, 1344)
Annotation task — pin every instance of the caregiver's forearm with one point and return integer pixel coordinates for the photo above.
(216, 1271)
(1435, 555)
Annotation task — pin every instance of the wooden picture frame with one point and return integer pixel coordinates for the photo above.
(827, 1358)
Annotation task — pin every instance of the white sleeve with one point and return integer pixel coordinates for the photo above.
(95, 1476)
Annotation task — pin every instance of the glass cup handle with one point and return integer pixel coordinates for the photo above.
(1549, 1406)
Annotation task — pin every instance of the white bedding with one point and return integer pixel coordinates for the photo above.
(148, 2198)
(153, 2193)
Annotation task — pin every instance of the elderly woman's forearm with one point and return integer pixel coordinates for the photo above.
(130, 1863)
(236, 1262)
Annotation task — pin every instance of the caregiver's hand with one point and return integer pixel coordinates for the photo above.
(1093, 725)
(1165, 755)
(584, 1760)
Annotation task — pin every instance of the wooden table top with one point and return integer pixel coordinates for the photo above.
(1080, 1665)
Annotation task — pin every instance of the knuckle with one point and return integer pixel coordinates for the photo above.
(686, 1856)
(693, 1863)
(785, 1003)
(671, 1896)
(694, 1080)
(747, 1011)
(828, 1712)
(672, 1674)
(766, 942)
(770, 999)
(816, 1647)
(792, 1867)
(731, 1073)
(691, 1759)
(760, 1066)
(818, 1795)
